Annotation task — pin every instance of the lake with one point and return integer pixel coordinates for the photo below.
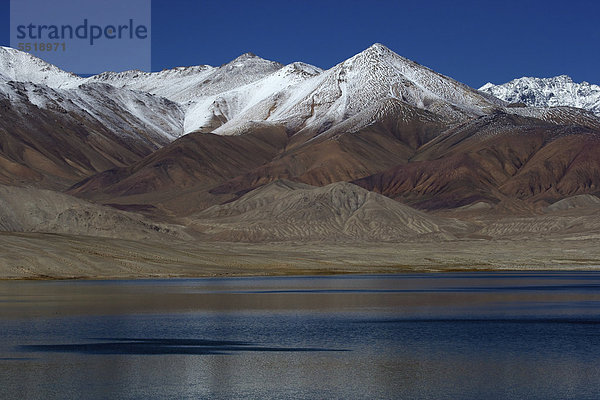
(484, 335)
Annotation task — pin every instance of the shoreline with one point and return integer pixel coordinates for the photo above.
(309, 274)
(39, 256)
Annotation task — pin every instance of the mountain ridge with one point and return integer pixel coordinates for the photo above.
(374, 113)
(548, 92)
(298, 95)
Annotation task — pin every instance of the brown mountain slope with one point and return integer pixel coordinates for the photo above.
(180, 174)
(566, 166)
(347, 154)
(520, 162)
(200, 170)
(497, 158)
(53, 147)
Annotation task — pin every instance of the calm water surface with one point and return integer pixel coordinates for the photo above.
(440, 336)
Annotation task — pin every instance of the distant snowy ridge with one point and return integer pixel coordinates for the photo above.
(548, 92)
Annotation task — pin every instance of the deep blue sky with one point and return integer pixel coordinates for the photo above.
(472, 41)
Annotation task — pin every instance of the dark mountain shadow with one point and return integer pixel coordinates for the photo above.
(163, 346)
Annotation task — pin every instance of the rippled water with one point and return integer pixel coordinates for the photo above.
(463, 335)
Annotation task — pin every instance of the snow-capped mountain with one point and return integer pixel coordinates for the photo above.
(303, 97)
(55, 137)
(360, 87)
(133, 114)
(58, 128)
(298, 96)
(548, 92)
(188, 84)
(209, 96)
(212, 96)
(250, 102)
(414, 133)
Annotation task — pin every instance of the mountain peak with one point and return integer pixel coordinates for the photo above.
(253, 61)
(378, 47)
(377, 50)
(377, 54)
(247, 56)
(303, 68)
(564, 78)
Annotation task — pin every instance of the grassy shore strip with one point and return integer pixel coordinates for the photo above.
(51, 256)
